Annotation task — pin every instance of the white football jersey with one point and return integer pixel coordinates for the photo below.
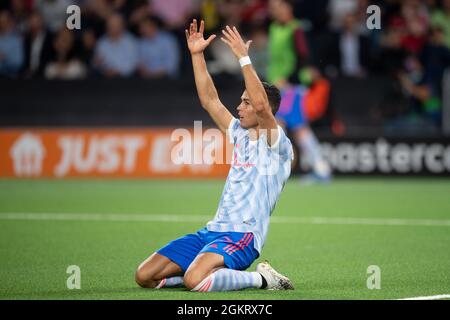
(257, 175)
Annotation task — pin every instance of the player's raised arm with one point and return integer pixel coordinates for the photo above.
(253, 85)
(205, 87)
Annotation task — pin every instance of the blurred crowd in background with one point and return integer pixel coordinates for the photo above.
(145, 38)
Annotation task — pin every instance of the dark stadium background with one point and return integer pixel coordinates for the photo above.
(362, 107)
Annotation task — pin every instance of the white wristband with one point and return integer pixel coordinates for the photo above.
(245, 61)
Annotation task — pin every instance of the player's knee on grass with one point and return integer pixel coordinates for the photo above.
(192, 279)
(145, 279)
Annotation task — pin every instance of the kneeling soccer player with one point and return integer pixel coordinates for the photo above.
(213, 259)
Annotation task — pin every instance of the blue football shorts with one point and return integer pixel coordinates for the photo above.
(237, 248)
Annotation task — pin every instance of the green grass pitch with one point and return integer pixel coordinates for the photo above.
(326, 260)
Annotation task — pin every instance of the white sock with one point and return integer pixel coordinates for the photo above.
(170, 282)
(311, 148)
(228, 280)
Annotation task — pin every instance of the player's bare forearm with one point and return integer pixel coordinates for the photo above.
(197, 44)
(253, 84)
(255, 89)
(206, 90)
(260, 103)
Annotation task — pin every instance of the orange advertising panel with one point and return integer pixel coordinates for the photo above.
(152, 153)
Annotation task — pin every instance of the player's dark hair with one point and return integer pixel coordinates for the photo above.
(274, 96)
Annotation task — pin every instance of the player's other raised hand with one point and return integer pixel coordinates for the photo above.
(194, 36)
(234, 40)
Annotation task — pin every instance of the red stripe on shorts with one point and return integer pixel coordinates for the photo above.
(240, 244)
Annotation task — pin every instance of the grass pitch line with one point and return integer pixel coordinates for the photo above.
(364, 221)
(436, 297)
(205, 218)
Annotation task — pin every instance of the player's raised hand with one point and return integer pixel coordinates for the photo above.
(194, 36)
(234, 40)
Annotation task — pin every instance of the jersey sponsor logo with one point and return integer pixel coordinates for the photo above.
(236, 162)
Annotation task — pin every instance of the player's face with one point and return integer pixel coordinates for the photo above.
(247, 115)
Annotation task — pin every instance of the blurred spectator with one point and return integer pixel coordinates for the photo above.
(19, 12)
(223, 61)
(338, 9)
(317, 94)
(425, 103)
(140, 11)
(38, 46)
(125, 7)
(88, 44)
(288, 49)
(435, 58)
(406, 32)
(415, 9)
(94, 15)
(174, 13)
(259, 51)
(158, 51)
(11, 50)
(116, 53)
(53, 12)
(96, 12)
(65, 65)
(231, 12)
(441, 19)
(118, 39)
(255, 13)
(351, 48)
(313, 13)
(415, 19)
(210, 14)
